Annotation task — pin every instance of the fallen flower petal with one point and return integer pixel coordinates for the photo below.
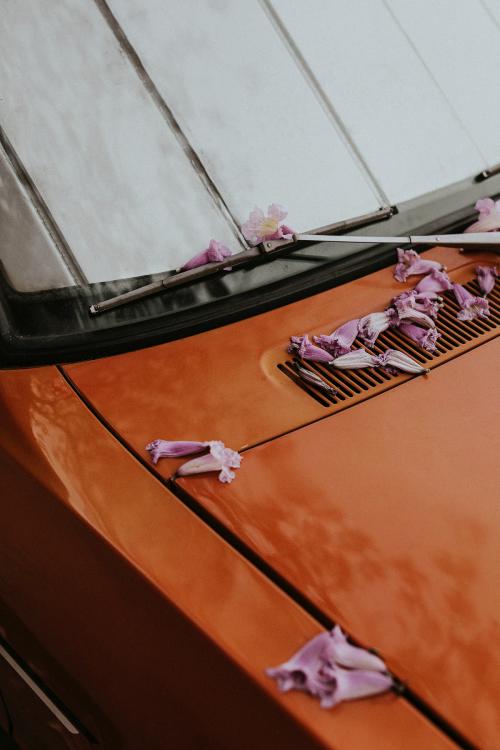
(341, 340)
(434, 282)
(489, 216)
(174, 448)
(426, 303)
(304, 670)
(403, 362)
(259, 227)
(424, 337)
(472, 307)
(313, 378)
(486, 278)
(414, 315)
(372, 325)
(355, 360)
(411, 264)
(305, 349)
(219, 458)
(344, 654)
(215, 252)
(355, 683)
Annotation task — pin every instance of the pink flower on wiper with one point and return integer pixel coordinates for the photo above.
(489, 216)
(411, 264)
(215, 252)
(219, 458)
(304, 348)
(472, 307)
(341, 340)
(174, 448)
(434, 283)
(259, 227)
(424, 337)
(371, 326)
(315, 669)
(486, 278)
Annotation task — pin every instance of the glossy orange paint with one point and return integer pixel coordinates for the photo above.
(387, 517)
(152, 629)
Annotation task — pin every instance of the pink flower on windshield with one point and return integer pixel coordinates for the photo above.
(304, 348)
(219, 458)
(371, 326)
(486, 278)
(215, 252)
(259, 227)
(411, 264)
(424, 337)
(489, 216)
(341, 340)
(316, 669)
(472, 307)
(434, 283)
(174, 448)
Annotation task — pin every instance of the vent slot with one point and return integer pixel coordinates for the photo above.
(351, 386)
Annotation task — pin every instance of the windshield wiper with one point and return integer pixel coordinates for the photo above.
(275, 248)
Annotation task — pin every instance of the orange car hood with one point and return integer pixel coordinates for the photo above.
(383, 515)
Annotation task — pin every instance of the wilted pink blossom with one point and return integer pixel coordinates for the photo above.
(401, 361)
(341, 340)
(219, 458)
(424, 337)
(305, 349)
(313, 379)
(411, 314)
(414, 301)
(259, 227)
(355, 360)
(434, 283)
(215, 252)
(371, 326)
(486, 278)
(472, 307)
(411, 264)
(315, 669)
(174, 448)
(489, 216)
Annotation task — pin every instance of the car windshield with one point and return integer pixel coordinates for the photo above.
(132, 136)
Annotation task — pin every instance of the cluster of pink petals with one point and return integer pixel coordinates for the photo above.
(306, 350)
(216, 457)
(260, 227)
(341, 340)
(215, 252)
(489, 216)
(331, 669)
(471, 306)
(486, 278)
(411, 264)
(405, 302)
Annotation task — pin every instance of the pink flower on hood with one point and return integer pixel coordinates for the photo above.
(316, 669)
(411, 264)
(424, 337)
(489, 216)
(341, 340)
(219, 458)
(472, 307)
(258, 227)
(174, 448)
(371, 326)
(486, 278)
(414, 301)
(305, 349)
(215, 252)
(434, 283)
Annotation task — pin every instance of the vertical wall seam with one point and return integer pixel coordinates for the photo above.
(433, 78)
(38, 204)
(140, 69)
(325, 102)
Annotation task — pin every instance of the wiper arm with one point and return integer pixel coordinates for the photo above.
(275, 247)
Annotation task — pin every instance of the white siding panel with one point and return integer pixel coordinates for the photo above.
(112, 173)
(30, 258)
(460, 44)
(394, 111)
(247, 109)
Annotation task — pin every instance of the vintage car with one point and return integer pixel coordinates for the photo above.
(140, 609)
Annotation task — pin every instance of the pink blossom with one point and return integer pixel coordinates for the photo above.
(472, 307)
(434, 283)
(414, 301)
(424, 337)
(486, 278)
(489, 216)
(219, 458)
(341, 340)
(215, 252)
(372, 325)
(174, 448)
(311, 377)
(305, 349)
(411, 264)
(259, 227)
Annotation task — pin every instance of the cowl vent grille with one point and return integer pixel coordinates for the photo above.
(456, 338)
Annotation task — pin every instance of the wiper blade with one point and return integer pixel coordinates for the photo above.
(275, 247)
